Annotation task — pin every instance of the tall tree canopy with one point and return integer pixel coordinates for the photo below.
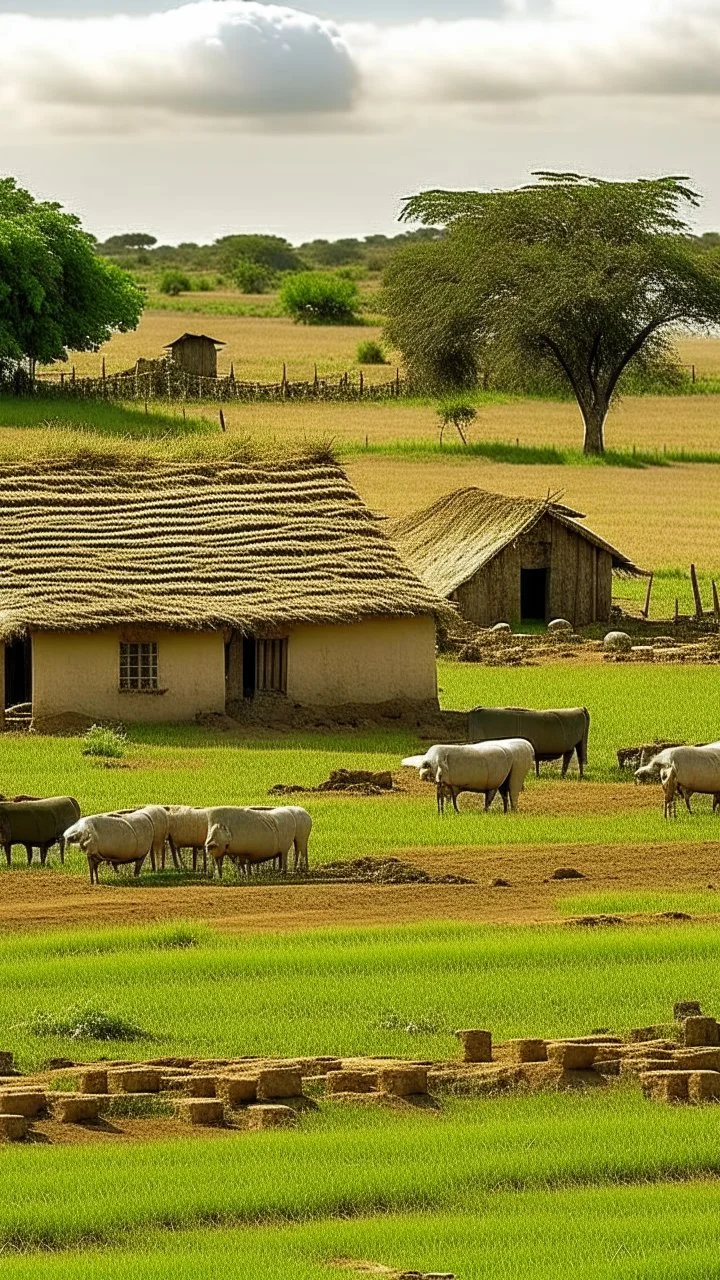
(572, 274)
(55, 292)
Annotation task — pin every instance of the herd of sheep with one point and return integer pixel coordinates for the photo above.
(247, 835)
(509, 741)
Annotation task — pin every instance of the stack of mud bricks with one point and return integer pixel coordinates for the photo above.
(376, 1081)
(691, 1072)
(18, 1107)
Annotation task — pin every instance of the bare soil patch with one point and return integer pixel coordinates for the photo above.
(44, 900)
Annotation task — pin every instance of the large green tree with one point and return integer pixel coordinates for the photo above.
(55, 292)
(575, 275)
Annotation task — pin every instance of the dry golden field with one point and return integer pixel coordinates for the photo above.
(661, 517)
(704, 353)
(256, 346)
(648, 422)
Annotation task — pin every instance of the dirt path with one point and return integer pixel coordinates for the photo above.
(49, 900)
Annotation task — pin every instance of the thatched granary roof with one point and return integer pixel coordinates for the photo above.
(448, 542)
(198, 544)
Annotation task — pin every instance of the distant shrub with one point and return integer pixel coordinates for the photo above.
(319, 297)
(370, 353)
(203, 285)
(84, 1022)
(253, 277)
(456, 413)
(174, 282)
(100, 740)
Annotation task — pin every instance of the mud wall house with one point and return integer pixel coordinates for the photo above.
(196, 353)
(516, 560)
(165, 590)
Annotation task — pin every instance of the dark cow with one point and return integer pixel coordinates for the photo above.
(553, 734)
(36, 824)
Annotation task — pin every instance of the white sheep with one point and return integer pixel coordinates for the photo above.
(498, 765)
(110, 838)
(187, 829)
(692, 769)
(249, 836)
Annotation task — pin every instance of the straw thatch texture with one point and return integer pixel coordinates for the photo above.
(194, 544)
(448, 542)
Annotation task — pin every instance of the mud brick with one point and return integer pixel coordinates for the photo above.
(477, 1045)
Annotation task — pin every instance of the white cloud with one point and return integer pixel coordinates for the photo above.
(212, 58)
(237, 61)
(576, 48)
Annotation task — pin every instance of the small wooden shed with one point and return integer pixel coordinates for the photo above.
(516, 560)
(196, 353)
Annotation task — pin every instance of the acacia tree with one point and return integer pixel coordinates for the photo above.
(578, 275)
(55, 292)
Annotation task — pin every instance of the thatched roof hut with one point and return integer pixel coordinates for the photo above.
(511, 559)
(283, 552)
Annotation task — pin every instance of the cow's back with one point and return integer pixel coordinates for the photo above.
(555, 730)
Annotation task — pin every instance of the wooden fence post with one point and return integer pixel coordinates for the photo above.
(222, 420)
(716, 601)
(646, 610)
(397, 382)
(696, 593)
(677, 610)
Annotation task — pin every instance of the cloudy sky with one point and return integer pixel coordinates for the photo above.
(191, 120)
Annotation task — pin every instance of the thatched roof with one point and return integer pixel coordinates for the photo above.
(447, 542)
(85, 543)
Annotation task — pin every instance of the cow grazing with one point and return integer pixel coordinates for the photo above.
(553, 734)
(36, 824)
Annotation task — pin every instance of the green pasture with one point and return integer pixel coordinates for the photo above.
(348, 1163)
(647, 1232)
(191, 765)
(399, 991)
(97, 419)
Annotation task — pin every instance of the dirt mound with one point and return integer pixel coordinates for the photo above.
(70, 724)
(381, 871)
(359, 782)
(594, 922)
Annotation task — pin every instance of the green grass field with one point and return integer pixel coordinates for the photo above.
(646, 1232)
(577, 1171)
(347, 991)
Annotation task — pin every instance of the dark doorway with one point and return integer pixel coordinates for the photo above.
(249, 663)
(18, 671)
(533, 595)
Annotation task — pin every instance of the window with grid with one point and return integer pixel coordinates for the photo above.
(271, 666)
(139, 666)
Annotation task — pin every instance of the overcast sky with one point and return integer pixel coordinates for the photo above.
(192, 120)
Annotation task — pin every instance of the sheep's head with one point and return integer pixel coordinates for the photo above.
(427, 773)
(646, 773)
(218, 840)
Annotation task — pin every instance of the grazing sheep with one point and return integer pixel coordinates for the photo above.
(110, 838)
(501, 765)
(692, 769)
(303, 828)
(249, 836)
(158, 818)
(652, 771)
(187, 829)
